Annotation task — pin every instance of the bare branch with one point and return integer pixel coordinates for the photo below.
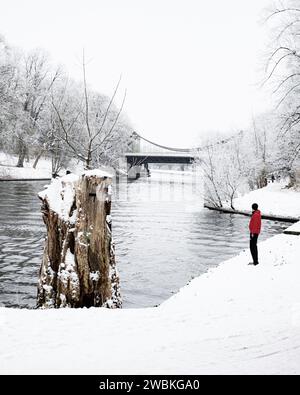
(56, 75)
(108, 109)
(66, 137)
(86, 98)
(114, 123)
(291, 53)
(276, 12)
(287, 94)
(285, 80)
(290, 121)
(286, 28)
(273, 54)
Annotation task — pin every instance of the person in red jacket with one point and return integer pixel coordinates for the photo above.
(255, 228)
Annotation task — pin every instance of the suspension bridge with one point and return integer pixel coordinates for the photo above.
(144, 152)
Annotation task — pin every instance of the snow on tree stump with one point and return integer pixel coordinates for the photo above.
(78, 267)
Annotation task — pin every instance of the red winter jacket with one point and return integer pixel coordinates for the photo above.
(255, 222)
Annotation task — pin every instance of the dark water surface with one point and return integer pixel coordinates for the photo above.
(163, 238)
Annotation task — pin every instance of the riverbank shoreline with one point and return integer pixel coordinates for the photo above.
(24, 179)
(275, 201)
(249, 213)
(10, 172)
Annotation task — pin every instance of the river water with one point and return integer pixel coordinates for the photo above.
(163, 237)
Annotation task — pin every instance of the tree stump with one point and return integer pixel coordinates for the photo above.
(78, 267)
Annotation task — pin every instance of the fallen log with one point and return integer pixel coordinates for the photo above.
(292, 232)
(249, 213)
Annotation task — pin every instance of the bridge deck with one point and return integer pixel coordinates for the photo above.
(162, 154)
(159, 157)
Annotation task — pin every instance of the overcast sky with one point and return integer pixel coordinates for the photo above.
(189, 66)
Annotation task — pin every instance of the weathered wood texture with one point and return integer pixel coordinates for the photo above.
(78, 267)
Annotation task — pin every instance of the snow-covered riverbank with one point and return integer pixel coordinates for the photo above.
(236, 319)
(274, 199)
(8, 169)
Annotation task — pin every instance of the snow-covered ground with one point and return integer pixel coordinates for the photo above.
(9, 170)
(235, 319)
(273, 199)
(295, 227)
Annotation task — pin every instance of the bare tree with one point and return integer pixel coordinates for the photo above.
(31, 99)
(212, 190)
(94, 126)
(43, 112)
(226, 165)
(283, 72)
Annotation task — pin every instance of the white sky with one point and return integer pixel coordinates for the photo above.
(189, 66)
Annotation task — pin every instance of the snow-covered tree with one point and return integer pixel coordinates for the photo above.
(91, 125)
(283, 73)
(9, 79)
(261, 144)
(44, 112)
(36, 82)
(224, 165)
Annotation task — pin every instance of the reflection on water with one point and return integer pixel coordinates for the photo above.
(163, 238)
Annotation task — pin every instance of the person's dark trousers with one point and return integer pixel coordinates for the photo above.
(253, 248)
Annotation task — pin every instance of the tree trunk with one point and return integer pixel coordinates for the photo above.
(22, 154)
(38, 157)
(56, 162)
(87, 165)
(78, 267)
(262, 180)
